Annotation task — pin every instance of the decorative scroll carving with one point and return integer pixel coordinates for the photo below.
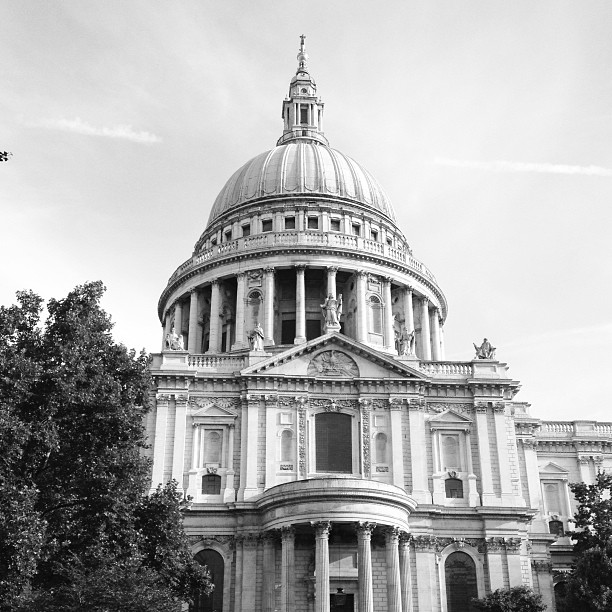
(499, 407)
(382, 468)
(286, 467)
(338, 404)
(480, 407)
(416, 404)
(425, 542)
(333, 363)
(365, 440)
(322, 528)
(302, 441)
(541, 566)
(365, 528)
(162, 398)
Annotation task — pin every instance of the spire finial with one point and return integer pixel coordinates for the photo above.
(302, 56)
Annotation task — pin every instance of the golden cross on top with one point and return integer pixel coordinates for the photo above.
(302, 37)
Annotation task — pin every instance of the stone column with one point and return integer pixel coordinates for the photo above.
(425, 335)
(495, 562)
(389, 330)
(405, 574)
(364, 567)
(215, 305)
(435, 336)
(167, 328)
(513, 558)
(193, 322)
(287, 569)
(331, 280)
(362, 320)
(442, 348)
(240, 340)
(251, 434)
(501, 438)
(269, 571)
(269, 306)
(300, 304)
(249, 570)
(159, 445)
(408, 310)
(418, 460)
(178, 456)
(178, 319)
(322, 530)
(425, 557)
(394, 594)
(484, 451)
(230, 494)
(238, 583)
(397, 455)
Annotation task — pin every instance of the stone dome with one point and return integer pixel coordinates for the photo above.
(301, 168)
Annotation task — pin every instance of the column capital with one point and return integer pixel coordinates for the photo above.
(241, 275)
(386, 280)
(193, 290)
(404, 539)
(215, 282)
(424, 300)
(269, 537)
(392, 535)
(332, 269)
(269, 270)
(300, 268)
(409, 289)
(364, 529)
(322, 529)
(361, 273)
(287, 532)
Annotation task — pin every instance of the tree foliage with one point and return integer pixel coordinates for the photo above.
(516, 599)
(76, 519)
(4, 155)
(589, 587)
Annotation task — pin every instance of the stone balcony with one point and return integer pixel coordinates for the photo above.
(312, 239)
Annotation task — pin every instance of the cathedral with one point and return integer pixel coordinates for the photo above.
(331, 458)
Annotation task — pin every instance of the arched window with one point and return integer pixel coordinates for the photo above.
(287, 452)
(213, 602)
(334, 445)
(211, 484)
(453, 488)
(461, 582)
(376, 315)
(556, 528)
(212, 447)
(381, 448)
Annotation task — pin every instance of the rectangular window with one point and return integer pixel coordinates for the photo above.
(289, 223)
(374, 235)
(287, 331)
(304, 114)
(213, 241)
(390, 242)
(228, 235)
(266, 225)
(334, 225)
(246, 230)
(313, 222)
(333, 437)
(356, 229)
(313, 329)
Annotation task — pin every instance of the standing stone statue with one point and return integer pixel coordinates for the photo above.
(332, 310)
(485, 351)
(256, 337)
(407, 342)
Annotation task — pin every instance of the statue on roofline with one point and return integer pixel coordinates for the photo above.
(174, 342)
(332, 309)
(485, 351)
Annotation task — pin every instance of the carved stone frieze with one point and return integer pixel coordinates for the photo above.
(462, 408)
(417, 403)
(302, 442)
(334, 364)
(426, 543)
(365, 441)
(333, 405)
(541, 566)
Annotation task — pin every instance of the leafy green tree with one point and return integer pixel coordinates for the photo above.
(589, 587)
(516, 599)
(76, 519)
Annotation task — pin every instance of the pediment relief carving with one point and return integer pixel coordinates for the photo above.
(203, 408)
(333, 363)
(553, 469)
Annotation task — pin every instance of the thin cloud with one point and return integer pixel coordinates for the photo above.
(78, 126)
(512, 166)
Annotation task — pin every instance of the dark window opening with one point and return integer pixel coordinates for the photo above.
(556, 528)
(461, 584)
(453, 488)
(213, 241)
(374, 235)
(356, 229)
(287, 331)
(211, 484)
(304, 114)
(334, 225)
(313, 329)
(390, 241)
(215, 564)
(313, 223)
(266, 225)
(289, 223)
(333, 442)
(246, 230)
(228, 235)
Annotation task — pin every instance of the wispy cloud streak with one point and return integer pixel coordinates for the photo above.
(78, 126)
(513, 166)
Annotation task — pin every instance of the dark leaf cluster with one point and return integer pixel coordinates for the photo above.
(77, 525)
(516, 599)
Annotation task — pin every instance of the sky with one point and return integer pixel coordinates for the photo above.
(487, 122)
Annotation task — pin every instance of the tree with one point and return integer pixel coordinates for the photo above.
(75, 517)
(516, 599)
(589, 586)
(4, 155)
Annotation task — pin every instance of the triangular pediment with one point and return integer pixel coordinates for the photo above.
(334, 356)
(450, 416)
(553, 468)
(204, 408)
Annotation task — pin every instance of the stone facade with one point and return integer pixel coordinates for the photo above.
(335, 459)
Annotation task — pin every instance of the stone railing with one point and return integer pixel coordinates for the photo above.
(460, 369)
(575, 429)
(306, 238)
(218, 363)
